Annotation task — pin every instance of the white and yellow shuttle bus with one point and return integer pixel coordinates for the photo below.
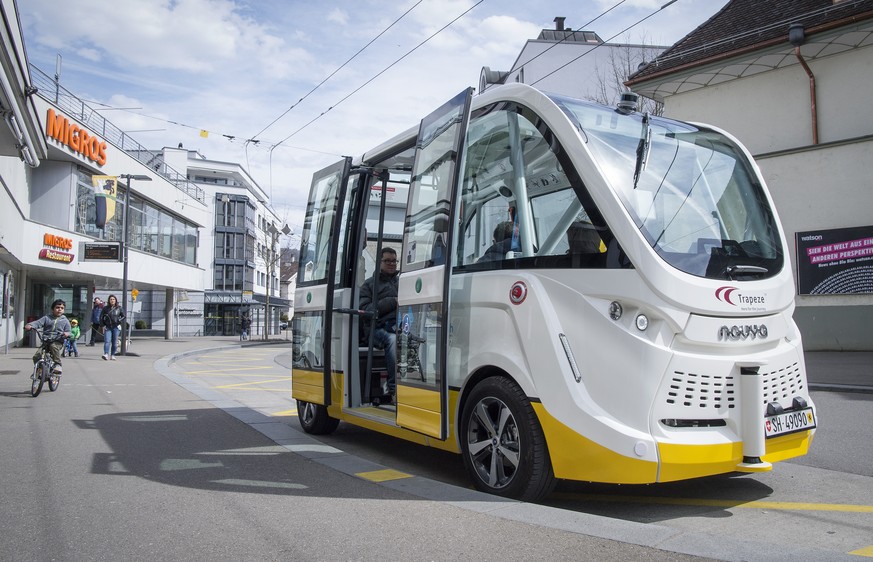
(633, 326)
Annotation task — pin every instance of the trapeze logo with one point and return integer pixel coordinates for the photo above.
(732, 296)
(724, 294)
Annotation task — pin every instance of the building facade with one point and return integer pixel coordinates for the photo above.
(576, 63)
(787, 78)
(64, 221)
(242, 247)
(188, 244)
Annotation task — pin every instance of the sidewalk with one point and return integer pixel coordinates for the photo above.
(140, 358)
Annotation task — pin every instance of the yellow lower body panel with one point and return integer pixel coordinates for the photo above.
(419, 410)
(788, 446)
(388, 426)
(682, 461)
(575, 457)
(307, 386)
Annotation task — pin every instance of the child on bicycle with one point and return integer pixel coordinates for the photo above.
(55, 327)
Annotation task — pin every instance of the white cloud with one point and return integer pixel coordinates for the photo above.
(337, 16)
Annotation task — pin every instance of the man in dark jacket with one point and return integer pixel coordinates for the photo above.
(505, 239)
(96, 330)
(379, 297)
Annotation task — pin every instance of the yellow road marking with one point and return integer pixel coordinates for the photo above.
(285, 413)
(755, 504)
(238, 375)
(265, 388)
(224, 371)
(241, 384)
(247, 352)
(866, 551)
(383, 475)
(234, 357)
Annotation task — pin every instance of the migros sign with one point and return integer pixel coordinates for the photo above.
(75, 137)
(55, 241)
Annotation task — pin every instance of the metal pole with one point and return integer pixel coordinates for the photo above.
(124, 274)
(5, 313)
(124, 222)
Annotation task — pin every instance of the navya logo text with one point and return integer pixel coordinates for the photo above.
(734, 333)
(744, 301)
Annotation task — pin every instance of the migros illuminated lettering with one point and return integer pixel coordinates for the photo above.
(56, 241)
(76, 138)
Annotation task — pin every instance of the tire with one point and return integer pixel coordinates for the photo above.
(314, 419)
(41, 373)
(502, 442)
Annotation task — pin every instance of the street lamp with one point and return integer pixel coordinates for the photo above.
(124, 221)
(270, 262)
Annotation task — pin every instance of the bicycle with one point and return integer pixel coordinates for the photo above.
(68, 348)
(43, 369)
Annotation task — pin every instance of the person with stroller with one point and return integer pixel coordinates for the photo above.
(55, 327)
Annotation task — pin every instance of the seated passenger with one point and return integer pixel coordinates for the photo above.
(586, 248)
(384, 305)
(504, 237)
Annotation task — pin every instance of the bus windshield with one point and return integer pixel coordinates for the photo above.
(690, 191)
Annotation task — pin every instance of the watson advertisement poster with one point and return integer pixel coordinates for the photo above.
(835, 262)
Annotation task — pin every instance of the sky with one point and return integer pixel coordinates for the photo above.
(270, 80)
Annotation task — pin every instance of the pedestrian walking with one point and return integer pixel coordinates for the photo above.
(111, 319)
(244, 325)
(96, 329)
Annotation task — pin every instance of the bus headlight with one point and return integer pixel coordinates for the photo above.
(642, 322)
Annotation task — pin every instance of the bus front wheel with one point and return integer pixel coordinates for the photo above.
(502, 443)
(314, 419)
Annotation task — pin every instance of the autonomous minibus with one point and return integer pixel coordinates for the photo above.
(585, 292)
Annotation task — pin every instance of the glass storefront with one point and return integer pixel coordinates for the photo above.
(76, 297)
(152, 230)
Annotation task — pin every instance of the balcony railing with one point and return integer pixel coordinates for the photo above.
(76, 108)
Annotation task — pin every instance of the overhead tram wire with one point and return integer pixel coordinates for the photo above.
(383, 71)
(571, 61)
(340, 67)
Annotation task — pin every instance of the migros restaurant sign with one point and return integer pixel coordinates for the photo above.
(76, 138)
(55, 244)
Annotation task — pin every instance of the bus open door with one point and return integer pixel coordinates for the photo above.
(314, 357)
(422, 389)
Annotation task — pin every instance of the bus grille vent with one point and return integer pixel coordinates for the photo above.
(702, 391)
(784, 383)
